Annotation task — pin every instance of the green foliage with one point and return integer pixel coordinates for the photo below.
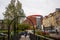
(42, 33)
(13, 9)
(23, 26)
(1, 31)
(39, 33)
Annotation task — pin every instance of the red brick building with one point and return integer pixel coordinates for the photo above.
(34, 18)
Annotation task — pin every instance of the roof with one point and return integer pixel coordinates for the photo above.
(33, 18)
(35, 15)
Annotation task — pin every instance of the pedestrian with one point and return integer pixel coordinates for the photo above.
(57, 31)
(25, 33)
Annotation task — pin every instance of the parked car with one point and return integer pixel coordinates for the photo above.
(45, 32)
(2, 34)
(52, 31)
(49, 31)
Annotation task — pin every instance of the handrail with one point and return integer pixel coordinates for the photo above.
(37, 37)
(45, 37)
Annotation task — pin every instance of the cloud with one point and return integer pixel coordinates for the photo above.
(30, 7)
(3, 5)
(43, 7)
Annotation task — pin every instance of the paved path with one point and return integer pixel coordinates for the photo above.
(56, 36)
(24, 38)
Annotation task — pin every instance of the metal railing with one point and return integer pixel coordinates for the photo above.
(3, 36)
(39, 37)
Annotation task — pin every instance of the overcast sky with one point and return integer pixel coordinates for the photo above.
(31, 7)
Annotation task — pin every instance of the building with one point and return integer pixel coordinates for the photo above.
(36, 20)
(49, 21)
(57, 16)
(52, 20)
(3, 24)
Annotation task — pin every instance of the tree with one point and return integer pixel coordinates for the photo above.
(13, 9)
(23, 26)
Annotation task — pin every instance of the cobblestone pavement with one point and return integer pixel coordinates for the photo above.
(24, 38)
